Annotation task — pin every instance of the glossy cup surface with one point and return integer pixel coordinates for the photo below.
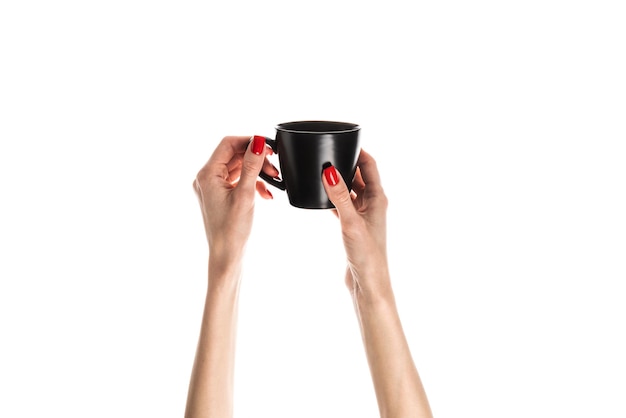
(305, 147)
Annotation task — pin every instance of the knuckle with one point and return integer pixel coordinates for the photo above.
(197, 182)
(343, 199)
(201, 178)
(383, 201)
(203, 173)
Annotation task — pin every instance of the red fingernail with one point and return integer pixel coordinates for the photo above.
(331, 175)
(258, 143)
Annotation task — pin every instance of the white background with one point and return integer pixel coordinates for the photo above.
(499, 129)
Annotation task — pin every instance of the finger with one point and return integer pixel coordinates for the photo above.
(269, 168)
(234, 167)
(234, 175)
(224, 157)
(240, 151)
(228, 148)
(252, 164)
(358, 185)
(261, 188)
(338, 193)
(369, 170)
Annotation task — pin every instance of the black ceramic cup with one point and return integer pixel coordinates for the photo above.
(304, 149)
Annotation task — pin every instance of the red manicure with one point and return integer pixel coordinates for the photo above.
(258, 143)
(331, 175)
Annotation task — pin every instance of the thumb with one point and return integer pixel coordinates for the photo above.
(252, 163)
(338, 193)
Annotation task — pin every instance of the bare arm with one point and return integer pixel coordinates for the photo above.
(211, 386)
(398, 387)
(362, 215)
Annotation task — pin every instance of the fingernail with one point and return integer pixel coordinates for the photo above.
(331, 175)
(258, 143)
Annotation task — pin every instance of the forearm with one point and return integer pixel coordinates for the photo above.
(211, 386)
(397, 384)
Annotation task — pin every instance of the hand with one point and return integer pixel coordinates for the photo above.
(225, 187)
(362, 215)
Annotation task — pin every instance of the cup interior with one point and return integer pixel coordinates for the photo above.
(317, 126)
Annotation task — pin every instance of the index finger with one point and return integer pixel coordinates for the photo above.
(229, 147)
(224, 158)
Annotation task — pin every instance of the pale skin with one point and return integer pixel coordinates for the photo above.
(226, 188)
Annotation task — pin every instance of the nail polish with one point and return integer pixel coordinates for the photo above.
(258, 143)
(331, 175)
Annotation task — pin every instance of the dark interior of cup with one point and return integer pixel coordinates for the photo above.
(317, 126)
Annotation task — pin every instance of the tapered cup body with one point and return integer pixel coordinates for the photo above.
(305, 148)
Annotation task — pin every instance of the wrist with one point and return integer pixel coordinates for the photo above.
(226, 253)
(224, 270)
(372, 287)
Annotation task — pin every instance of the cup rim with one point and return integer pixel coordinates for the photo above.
(342, 127)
